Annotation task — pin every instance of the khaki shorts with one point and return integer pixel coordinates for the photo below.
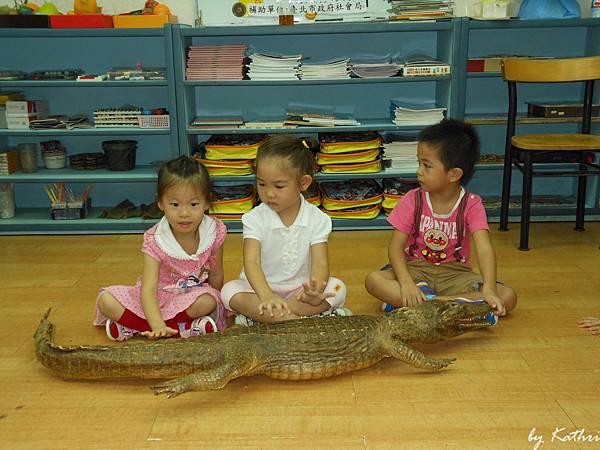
(445, 279)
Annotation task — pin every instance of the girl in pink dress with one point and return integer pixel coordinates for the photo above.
(178, 293)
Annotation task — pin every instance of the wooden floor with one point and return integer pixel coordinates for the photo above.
(535, 370)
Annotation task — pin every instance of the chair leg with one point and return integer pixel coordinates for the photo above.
(506, 180)
(526, 202)
(581, 187)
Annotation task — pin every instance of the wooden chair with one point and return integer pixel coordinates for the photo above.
(525, 150)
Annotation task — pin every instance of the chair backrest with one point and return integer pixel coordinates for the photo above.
(533, 70)
(540, 70)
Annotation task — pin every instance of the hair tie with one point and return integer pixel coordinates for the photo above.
(306, 146)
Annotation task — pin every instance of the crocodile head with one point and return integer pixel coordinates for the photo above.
(433, 321)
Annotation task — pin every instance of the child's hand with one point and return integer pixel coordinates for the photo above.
(312, 294)
(491, 298)
(411, 294)
(160, 332)
(272, 304)
(591, 323)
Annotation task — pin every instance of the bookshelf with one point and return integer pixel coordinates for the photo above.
(94, 51)
(479, 98)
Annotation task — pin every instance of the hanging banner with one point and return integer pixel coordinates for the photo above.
(340, 8)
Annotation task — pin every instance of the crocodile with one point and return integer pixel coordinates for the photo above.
(303, 349)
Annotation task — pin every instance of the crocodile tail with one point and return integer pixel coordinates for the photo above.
(44, 333)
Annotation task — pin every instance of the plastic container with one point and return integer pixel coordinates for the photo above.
(28, 157)
(154, 121)
(81, 21)
(147, 21)
(595, 8)
(7, 200)
(71, 211)
(120, 155)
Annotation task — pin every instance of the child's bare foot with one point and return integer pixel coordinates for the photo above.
(592, 324)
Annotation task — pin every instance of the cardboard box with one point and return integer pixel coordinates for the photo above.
(81, 21)
(492, 64)
(19, 122)
(147, 21)
(24, 108)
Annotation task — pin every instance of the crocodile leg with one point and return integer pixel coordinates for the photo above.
(415, 358)
(205, 380)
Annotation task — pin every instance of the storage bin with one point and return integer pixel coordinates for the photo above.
(154, 121)
(147, 21)
(120, 155)
(81, 21)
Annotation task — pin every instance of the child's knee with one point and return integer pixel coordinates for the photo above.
(372, 280)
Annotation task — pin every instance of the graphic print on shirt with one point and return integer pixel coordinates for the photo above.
(436, 242)
(189, 280)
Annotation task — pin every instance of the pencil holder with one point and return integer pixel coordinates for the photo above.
(70, 210)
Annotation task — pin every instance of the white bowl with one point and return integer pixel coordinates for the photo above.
(55, 161)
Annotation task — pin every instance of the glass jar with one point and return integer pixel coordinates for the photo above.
(7, 200)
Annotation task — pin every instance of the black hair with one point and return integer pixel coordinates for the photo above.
(184, 169)
(295, 150)
(457, 144)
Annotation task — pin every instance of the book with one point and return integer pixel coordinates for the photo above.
(559, 109)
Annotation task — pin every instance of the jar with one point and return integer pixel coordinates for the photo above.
(28, 157)
(7, 200)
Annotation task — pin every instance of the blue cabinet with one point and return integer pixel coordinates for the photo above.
(93, 51)
(367, 100)
(485, 98)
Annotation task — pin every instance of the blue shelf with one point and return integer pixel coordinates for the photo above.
(320, 28)
(298, 82)
(23, 84)
(366, 125)
(38, 221)
(86, 132)
(83, 32)
(140, 174)
(538, 23)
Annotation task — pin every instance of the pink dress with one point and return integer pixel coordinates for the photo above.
(182, 277)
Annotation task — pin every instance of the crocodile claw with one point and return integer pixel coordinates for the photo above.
(172, 388)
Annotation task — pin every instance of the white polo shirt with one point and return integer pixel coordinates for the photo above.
(285, 251)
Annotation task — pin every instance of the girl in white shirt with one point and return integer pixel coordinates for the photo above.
(286, 266)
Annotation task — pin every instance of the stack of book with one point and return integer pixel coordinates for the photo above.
(375, 70)
(9, 162)
(420, 9)
(309, 119)
(402, 155)
(274, 67)
(330, 70)
(353, 152)
(423, 66)
(216, 62)
(217, 122)
(410, 115)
